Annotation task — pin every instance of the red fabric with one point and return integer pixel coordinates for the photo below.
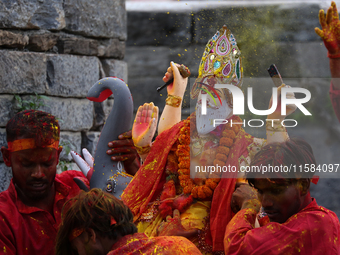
(313, 230)
(28, 230)
(335, 98)
(147, 181)
(139, 244)
(220, 213)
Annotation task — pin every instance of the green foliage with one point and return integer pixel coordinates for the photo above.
(33, 103)
(66, 146)
(64, 165)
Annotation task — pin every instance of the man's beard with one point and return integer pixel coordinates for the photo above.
(205, 123)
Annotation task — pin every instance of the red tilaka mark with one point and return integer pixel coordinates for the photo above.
(141, 127)
(103, 96)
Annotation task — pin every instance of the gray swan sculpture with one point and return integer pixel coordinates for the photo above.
(109, 175)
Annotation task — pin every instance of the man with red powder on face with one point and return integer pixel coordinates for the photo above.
(31, 206)
(294, 222)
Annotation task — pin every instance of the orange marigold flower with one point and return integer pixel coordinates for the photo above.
(218, 162)
(221, 157)
(183, 150)
(224, 150)
(183, 177)
(207, 191)
(226, 141)
(228, 133)
(186, 182)
(211, 184)
(185, 130)
(184, 171)
(184, 139)
(184, 164)
(216, 180)
(188, 189)
(201, 193)
(194, 192)
(236, 128)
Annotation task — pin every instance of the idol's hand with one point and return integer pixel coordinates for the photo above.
(290, 108)
(177, 88)
(86, 164)
(144, 126)
(330, 32)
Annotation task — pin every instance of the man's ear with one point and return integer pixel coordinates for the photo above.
(6, 154)
(92, 235)
(304, 186)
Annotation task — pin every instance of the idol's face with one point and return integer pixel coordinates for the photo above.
(279, 201)
(216, 106)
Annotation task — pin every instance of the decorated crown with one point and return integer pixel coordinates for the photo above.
(221, 59)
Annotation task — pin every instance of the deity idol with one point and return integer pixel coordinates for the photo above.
(168, 181)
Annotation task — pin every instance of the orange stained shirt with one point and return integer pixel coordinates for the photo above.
(26, 230)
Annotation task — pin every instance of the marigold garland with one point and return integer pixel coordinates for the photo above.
(180, 152)
(206, 188)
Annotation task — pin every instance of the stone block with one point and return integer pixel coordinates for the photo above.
(111, 48)
(154, 61)
(13, 40)
(153, 28)
(106, 19)
(73, 114)
(147, 61)
(42, 42)
(6, 102)
(118, 68)
(5, 176)
(22, 72)
(69, 141)
(32, 14)
(78, 46)
(71, 76)
(89, 140)
(143, 90)
(3, 141)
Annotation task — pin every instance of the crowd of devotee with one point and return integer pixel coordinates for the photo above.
(165, 206)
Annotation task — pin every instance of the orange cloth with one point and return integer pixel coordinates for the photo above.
(139, 244)
(147, 184)
(313, 230)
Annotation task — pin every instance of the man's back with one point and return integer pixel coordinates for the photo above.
(139, 243)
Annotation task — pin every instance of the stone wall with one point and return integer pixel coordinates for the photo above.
(59, 49)
(269, 33)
